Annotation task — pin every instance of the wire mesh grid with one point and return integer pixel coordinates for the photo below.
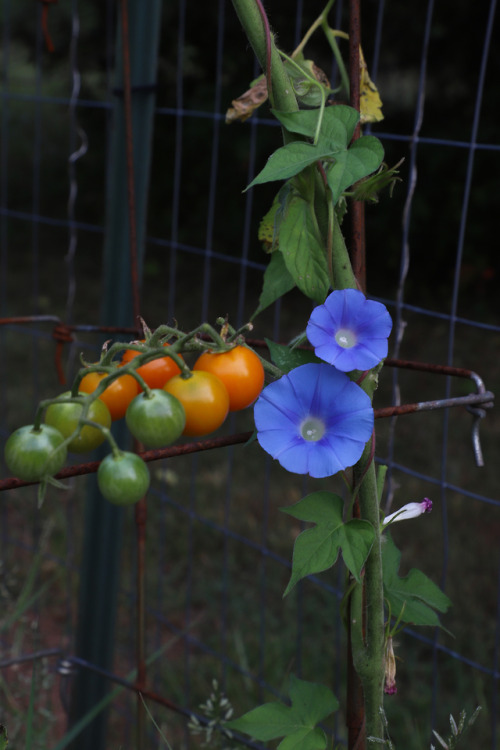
(218, 549)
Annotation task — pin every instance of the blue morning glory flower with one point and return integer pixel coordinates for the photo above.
(314, 420)
(350, 331)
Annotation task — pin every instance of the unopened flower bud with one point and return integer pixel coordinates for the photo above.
(411, 510)
(390, 668)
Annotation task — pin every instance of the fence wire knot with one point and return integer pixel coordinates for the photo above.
(66, 668)
(63, 335)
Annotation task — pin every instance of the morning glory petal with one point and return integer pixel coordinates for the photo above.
(314, 420)
(349, 331)
(295, 458)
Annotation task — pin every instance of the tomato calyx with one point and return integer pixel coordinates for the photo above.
(154, 361)
(113, 372)
(116, 389)
(231, 335)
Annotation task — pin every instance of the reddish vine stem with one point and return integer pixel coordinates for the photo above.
(134, 278)
(358, 247)
(45, 24)
(267, 32)
(129, 144)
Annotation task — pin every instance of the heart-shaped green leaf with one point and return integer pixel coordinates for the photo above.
(310, 704)
(317, 549)
(415, 597)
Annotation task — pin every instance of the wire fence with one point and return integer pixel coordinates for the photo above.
(217, 549)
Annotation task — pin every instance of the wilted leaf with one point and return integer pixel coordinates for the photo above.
(267, 230)
(370, 103)
(269, 226)
(246, 104)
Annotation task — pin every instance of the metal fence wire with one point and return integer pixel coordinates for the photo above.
(213, 551)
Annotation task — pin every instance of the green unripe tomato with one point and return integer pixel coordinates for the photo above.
(157, 419)
(123, 478)
(32, 454)
(64, 417)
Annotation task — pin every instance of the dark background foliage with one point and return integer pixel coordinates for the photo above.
(455, 46)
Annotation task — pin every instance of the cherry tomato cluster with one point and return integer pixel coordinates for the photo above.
(160, 399)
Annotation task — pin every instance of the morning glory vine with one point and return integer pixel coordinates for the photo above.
(317, 418)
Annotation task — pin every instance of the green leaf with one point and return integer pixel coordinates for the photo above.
(302, 122)
(3, 737)
(336, 131)
(361, 159)
(337, 126)
(305, 739)
(317, 549)
(311, 703)
(265, 722)
(289, 160)
(277, 282)
(415, 595)
(287, 359)
(303, 250)
(309, 89)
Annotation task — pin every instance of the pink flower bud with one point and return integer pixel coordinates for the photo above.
(390, 669)
(411, 510)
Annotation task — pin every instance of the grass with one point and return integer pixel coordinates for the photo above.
(29, 703)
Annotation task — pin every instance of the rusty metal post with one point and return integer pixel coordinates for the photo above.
(357, 208)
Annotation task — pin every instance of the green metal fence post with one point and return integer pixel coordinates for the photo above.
(103, 522)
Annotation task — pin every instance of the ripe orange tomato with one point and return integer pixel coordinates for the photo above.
(117, 395)
(205, 401)
(155, 373)
(240, 370)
